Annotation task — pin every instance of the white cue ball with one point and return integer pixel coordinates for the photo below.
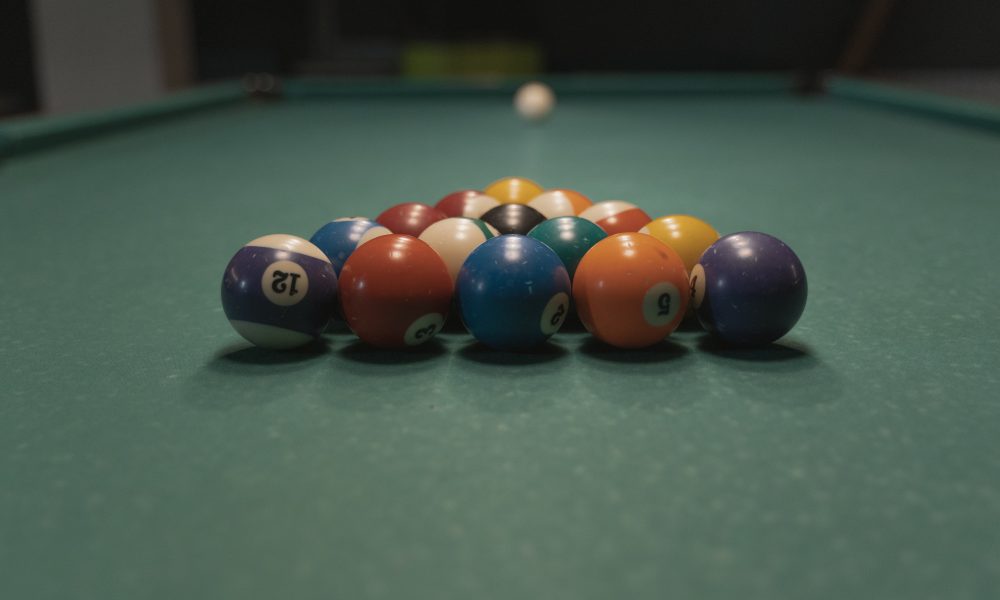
(534, 101)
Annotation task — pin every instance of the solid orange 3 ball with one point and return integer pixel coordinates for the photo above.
(395, 291)
(631, 290)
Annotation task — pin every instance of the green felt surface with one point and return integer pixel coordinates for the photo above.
(955, 110)
(19, 136)
(146, 452)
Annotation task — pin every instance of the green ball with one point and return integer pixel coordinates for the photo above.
(569, 237)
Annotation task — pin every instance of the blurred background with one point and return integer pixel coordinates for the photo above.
(60, 56)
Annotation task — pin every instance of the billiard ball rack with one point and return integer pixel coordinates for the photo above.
(515, 260)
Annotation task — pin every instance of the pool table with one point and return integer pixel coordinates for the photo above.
(146, 451)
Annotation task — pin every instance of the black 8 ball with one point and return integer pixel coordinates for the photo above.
(513, 218)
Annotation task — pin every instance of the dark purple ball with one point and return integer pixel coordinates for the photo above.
(749, 289)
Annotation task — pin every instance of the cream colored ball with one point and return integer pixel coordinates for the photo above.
(534, 101)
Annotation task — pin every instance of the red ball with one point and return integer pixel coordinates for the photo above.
(617, 216)
(466, 203)
(410, 218)
(395, 291)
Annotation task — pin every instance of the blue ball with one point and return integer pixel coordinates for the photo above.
(513, 292)
(338, 239)
(749, 289)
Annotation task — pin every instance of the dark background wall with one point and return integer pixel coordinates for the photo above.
(600, 35)
(936, 34)
(231, 37)
(17, 89)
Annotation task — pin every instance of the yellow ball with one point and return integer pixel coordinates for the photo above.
(513, 190)
(688, 236)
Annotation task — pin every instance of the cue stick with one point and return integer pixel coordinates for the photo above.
(866, 32)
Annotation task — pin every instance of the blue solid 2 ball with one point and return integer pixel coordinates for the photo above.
(749, 289)
(513, 292)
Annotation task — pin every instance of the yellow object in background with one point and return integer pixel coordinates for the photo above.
(513, 190)
(688, 236)
(439, 59)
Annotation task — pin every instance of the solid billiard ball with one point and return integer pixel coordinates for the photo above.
(560, 203)
(517, 190)
(631, 290)
(749, 289)
(570, 238)
(513, 218)
(534, 101)
(466, 203)
(340, 237)
(688, 236)
(616, 216)
(455, 238)
(279, 291)
(410, 218)
(513, 292)
(395, 291)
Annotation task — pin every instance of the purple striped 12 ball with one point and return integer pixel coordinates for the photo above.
(279, 291)
(749, 289)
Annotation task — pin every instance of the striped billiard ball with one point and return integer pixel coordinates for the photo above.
(466, 203)
(616, 216)
(560, 203)
(279, 291)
